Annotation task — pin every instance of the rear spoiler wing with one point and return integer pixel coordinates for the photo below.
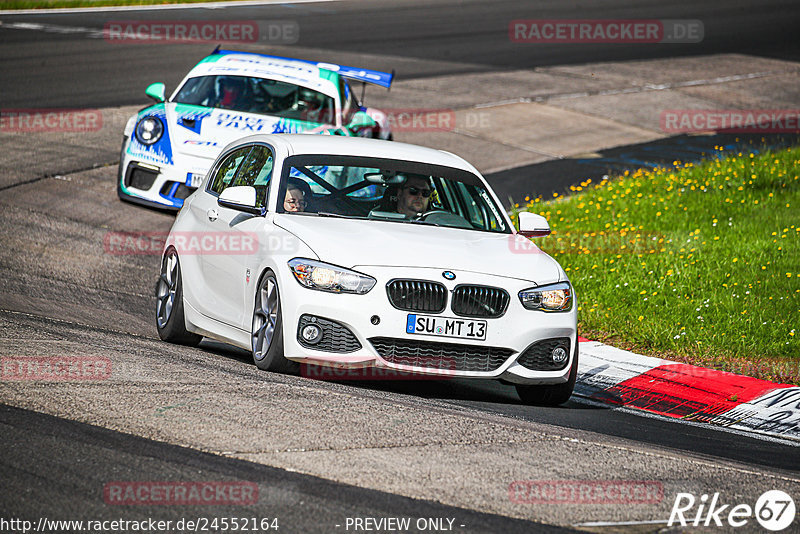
(375, 77)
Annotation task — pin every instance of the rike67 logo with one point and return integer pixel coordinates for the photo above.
(774, 510)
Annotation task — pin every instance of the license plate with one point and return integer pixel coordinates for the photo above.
(445, 326)
(194, 180)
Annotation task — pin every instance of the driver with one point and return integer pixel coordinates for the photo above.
(413, 196)
(232, 93)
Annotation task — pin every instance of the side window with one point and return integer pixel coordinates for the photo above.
(473, 212)
(256, 171)
(227, 170)
(446, 196)
(480, 210)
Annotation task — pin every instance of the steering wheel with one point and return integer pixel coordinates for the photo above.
(445, 218)
(423, 216)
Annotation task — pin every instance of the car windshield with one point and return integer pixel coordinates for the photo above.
(388, 190)
(258, 95)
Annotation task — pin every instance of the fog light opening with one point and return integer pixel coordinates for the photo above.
(559, 354)
(311, 333)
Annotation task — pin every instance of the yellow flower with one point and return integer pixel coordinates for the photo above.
(641, 317)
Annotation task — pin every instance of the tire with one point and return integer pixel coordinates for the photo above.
(266, 334)
(550, 395)
(120, 193)
(170, 320)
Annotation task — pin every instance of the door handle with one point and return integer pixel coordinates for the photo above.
(212, 215)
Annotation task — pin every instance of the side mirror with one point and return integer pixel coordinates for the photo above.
(156, 91)
(533, 225)
(362, 122)
(241, 198)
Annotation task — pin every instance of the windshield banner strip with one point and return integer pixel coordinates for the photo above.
(384, 79)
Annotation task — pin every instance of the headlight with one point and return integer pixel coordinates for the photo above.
(553, 297)
(325, 277)
(149, 130)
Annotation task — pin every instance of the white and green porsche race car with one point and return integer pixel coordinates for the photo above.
(168, 147)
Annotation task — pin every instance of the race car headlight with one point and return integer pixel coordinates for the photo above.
(553, 297)
(325, 277)
(149, 130)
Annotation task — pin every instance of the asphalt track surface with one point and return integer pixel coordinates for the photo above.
(42, 451)
(57, 465)
(417, 38)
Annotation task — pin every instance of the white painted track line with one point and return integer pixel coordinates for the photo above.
(201, 5)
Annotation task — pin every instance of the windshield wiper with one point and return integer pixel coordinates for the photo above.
(338, 215)
(426, 223)
(412, 221)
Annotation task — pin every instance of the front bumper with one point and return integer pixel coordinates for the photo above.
(387, 344)
(161, 185)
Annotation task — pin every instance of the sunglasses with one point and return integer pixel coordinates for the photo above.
(414, 191)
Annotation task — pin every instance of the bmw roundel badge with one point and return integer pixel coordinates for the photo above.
(449, 275)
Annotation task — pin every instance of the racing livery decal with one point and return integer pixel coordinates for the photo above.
(161, 150)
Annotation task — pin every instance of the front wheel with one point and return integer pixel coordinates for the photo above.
(267, 330)
(550, 395)
(170, 320)
(121, 170)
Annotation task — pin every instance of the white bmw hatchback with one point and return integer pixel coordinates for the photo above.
(350, 252)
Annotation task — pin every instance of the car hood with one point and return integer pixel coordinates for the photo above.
(203, 132)
(352, 243)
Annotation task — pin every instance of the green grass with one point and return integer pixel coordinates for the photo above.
(51, 4)
(696, 263)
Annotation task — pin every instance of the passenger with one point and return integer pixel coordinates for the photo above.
(297, 191)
